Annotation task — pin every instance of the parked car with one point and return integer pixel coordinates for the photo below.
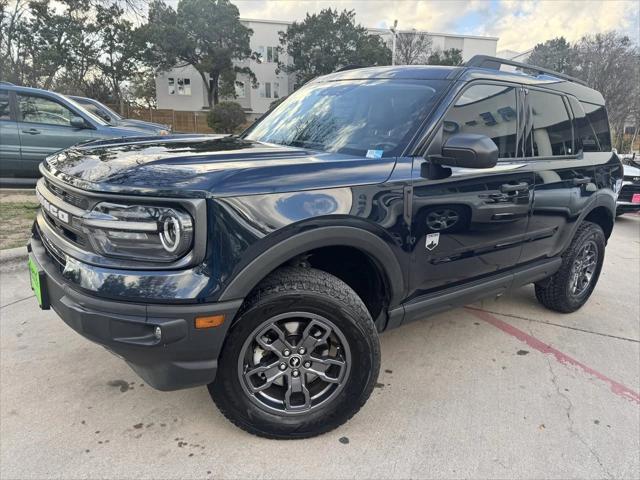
(629, 198)
(115, 119)
(265, 265)
(35, 123)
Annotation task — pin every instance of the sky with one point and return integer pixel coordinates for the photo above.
(519, 24)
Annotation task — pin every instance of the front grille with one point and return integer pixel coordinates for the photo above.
(67, 196)
(628, 191)
(75, 236)
(53, 252)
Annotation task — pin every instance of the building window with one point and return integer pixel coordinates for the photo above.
(239, 89)
(260, 54)
(183, 86)
(276, 90)
(272, 54)
(265, 90)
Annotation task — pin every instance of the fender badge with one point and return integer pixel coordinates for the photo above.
(432, 240)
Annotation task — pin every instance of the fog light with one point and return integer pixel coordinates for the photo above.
(158, 333)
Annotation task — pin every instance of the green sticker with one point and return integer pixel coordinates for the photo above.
(35, 281)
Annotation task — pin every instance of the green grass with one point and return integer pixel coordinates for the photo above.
(16, 219)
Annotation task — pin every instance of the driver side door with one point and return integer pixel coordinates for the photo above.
(472, 223)
(45, 127)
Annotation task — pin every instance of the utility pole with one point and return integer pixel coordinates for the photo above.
(393, 44)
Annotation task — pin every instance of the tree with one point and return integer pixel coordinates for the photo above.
(412, 48)
(326, 41)
(121, 47)
(610, 63)
(226, 117)
(607, 62)
(451, 56)
(555, 54)
(143, 89)
(206, 34)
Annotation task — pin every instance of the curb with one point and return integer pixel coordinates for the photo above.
(13, 255)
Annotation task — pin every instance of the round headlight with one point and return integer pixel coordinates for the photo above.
(170, 233)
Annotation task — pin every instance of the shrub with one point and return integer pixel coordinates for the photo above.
(226, 117)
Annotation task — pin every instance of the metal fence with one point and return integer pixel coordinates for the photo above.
(180, 121)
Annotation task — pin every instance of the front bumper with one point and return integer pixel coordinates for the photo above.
(183, 356)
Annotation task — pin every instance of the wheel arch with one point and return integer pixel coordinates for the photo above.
(366, 242)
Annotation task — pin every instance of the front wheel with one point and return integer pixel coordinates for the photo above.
(571, 286)
(301, 359)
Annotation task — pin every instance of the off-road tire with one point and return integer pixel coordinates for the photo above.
(555, 292)
(317, 292)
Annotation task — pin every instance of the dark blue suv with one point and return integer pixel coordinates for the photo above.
(265, 265)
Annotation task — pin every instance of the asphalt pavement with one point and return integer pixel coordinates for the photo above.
(500, 389)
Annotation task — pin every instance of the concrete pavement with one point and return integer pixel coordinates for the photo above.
(503, 389)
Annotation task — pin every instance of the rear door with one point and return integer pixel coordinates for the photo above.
(45, 127)
(9, 137)
(472, 223)
(564, 177)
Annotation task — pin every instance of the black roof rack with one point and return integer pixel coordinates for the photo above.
(486, 61)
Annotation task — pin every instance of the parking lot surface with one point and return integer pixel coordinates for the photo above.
(500, 389)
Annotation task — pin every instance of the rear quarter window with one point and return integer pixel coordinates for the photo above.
(598, 120)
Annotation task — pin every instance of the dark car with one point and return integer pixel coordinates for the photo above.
(115, 119)
(266, 265)
(629, 198)
(35, 123)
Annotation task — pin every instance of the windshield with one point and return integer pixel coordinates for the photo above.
(86, 111)
(373, 118)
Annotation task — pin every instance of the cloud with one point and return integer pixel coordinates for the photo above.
(520, 24)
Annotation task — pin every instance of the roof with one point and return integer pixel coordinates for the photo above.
(421, 72)
(546, 78)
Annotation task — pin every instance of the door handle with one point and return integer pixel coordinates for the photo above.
(32, 131)
(513, 187)
(581, 180)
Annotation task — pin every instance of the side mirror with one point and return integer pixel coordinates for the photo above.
(78, 122)
(468, 150)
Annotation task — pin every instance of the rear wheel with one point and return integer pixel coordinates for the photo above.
(301, 359)
(571, 286)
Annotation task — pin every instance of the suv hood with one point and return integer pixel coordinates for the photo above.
(213, 165)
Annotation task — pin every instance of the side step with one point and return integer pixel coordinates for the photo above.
(460, 295)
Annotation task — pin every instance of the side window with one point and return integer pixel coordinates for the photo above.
(551, 133)
(42, 110)
(487, 110)
(597, 117)
(585, 137)
(5, 106)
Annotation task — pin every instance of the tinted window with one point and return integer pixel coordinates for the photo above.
(372, 118)
(5, 108)
(551, 130)
(42, 110)
(487, 110)
(597, 117)
(585, 137)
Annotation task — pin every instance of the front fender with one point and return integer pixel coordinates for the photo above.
(325, 236)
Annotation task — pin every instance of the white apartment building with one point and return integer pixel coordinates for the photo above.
(182, 88)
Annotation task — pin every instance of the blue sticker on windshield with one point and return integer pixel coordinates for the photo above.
(374, 153)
